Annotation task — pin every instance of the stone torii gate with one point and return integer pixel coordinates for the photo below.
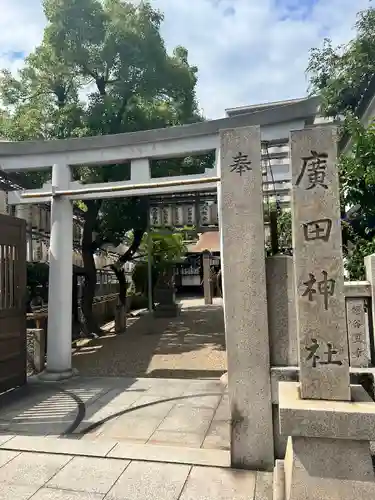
(237, 142)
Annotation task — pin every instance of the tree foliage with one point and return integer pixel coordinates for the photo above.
(340, 74)
(165, 250)
(102, 68)
(284, 231)
(357, 176)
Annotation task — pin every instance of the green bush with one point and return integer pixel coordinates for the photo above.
(354, 262)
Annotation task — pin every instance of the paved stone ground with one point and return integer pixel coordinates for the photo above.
(191, 345)
(150, 439)
(191, 413)
(41, 476)
(122, 438)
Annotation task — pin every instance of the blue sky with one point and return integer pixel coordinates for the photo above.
(247, 51)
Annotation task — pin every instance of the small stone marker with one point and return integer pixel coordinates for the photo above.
(245, 301)
(319, 272)
(357, 335)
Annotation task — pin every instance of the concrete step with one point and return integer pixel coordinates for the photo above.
(208, 472)
(103, 448)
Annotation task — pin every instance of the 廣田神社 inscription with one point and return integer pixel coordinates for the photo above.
(325, 287)
(317, 230)
(319, 273)
(314, 168)
(328, 354)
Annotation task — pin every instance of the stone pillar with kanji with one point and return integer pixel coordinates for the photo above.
(328, 421)
(319, 267)
(240, 200)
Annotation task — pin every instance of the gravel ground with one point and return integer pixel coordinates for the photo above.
(191, 345)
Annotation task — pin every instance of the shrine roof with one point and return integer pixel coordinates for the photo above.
(207, 241)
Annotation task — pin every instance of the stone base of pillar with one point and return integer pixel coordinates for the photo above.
(47, 376)
(224, 379)
(327, 469)
(208, 300)
(166, 311)
(328, 452)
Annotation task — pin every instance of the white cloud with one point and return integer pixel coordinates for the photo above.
(247, 51)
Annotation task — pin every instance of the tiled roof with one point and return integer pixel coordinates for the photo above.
(208, 241)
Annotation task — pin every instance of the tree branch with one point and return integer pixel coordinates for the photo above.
(129, 254)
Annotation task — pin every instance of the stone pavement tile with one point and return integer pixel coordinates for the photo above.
(88, 395)
(187, 419)
(146, 480)
(93, 475)
(96, 413)
(25, 403)
(5, 437)
(102, 383)
(155, 407)
(52, 494)
(32, 468)
(209, 386)
(175, 438)
(206, 483)
(141, 384)
(118, 398)
(17, 492)
(264, 486)
(200, 400)
(96, 448)
(7, 456)
(171, 454)
(170, 389)
(223, 410)
(129, 427)
(218, 436)
(51, 407)
(39, 428)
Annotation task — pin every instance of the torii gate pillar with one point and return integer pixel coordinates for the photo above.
(59, 340)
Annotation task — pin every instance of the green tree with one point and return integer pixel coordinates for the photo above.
(284, 230)
(165, 249)
(357, 182)
(102, 68)
(340, 74)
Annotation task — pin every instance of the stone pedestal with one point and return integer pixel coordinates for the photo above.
(328, 451)
(38, 336)
(165, 295)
